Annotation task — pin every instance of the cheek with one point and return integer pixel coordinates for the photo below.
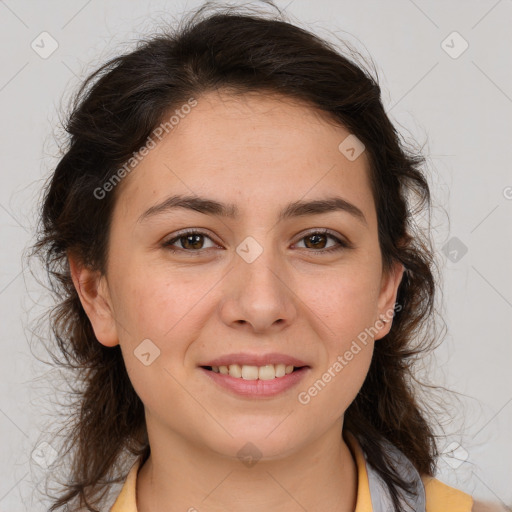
(346, 304)
(159, 321)
(344, 299)
(159, 304)
(335, 386)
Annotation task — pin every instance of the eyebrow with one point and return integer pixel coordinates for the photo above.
(215, 208)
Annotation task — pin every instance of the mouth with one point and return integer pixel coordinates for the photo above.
(251, 372)
(255, 382)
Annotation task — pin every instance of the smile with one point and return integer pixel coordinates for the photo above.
(247, 381)
(250, 372)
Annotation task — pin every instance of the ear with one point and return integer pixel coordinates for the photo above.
(390, 282)
(92, 289)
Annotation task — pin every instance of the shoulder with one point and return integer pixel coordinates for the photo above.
(485, 506)
(439, 496)
(126, 499)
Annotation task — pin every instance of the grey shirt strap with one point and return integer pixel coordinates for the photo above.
(379, 492)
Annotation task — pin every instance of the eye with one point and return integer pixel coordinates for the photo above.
(192, 241)
(317, 239)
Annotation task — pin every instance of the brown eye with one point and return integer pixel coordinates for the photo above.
(190, 241)
(318, 240)
(193, 242)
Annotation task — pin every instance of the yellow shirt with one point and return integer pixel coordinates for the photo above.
(439, 497)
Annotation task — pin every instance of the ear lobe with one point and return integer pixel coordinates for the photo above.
(92, 289)
(389, 289)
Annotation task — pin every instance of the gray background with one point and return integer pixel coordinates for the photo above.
(459, 106)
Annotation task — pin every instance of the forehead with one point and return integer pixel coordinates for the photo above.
(249, 147)
(256, 120)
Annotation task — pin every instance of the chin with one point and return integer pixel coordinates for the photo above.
(261, 440)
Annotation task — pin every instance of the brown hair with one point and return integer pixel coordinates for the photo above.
(115, 111)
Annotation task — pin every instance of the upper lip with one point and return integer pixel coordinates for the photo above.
(254, 360)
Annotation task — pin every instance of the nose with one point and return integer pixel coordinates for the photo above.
(258, 295)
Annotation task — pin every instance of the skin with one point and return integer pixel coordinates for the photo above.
(261, 153)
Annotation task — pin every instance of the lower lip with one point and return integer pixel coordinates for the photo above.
(257, 388)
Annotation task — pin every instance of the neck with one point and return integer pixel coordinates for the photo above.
(182, 476)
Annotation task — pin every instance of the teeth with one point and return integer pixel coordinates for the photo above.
(281, 370)
(235, 370)
(248, 372)
(267, 372)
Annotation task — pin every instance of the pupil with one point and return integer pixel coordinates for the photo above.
(315, 237)
(189, 238)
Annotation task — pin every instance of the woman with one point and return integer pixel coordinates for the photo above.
(242, 286)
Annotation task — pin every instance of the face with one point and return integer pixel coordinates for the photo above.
(268, 284)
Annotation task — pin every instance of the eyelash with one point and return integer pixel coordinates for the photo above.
(341, 244)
